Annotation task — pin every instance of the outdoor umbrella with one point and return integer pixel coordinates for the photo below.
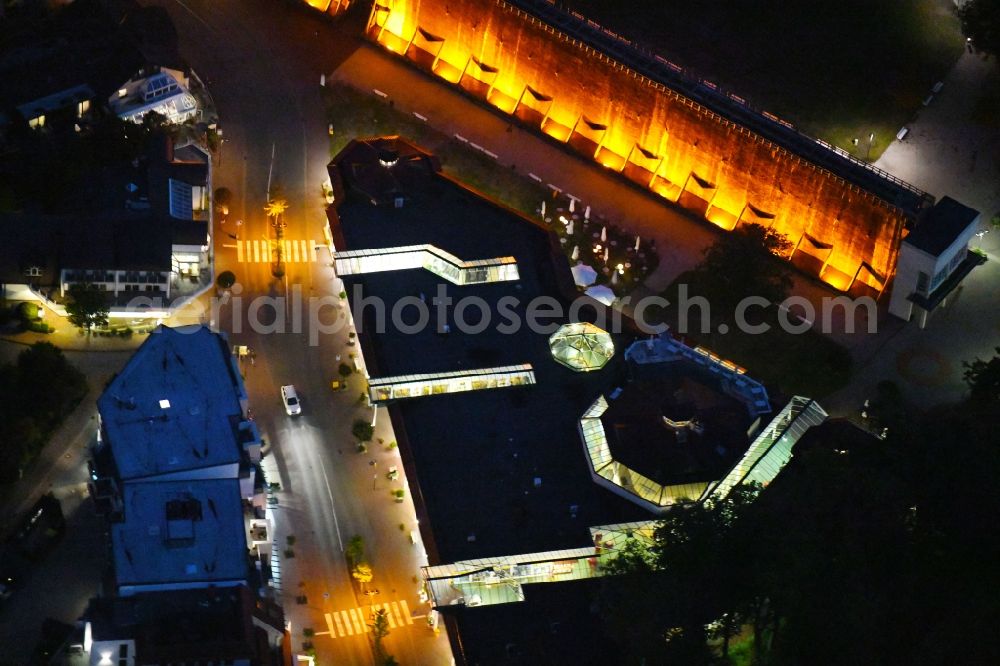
(584, 275)
(602, 294)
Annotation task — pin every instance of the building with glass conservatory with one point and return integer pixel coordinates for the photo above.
(533, 455)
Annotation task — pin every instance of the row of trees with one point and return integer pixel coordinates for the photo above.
(36, 393)
(862, 551)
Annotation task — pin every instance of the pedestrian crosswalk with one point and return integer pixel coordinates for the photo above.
(265, 251)
(355, 621)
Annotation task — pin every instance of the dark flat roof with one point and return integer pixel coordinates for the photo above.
(556, 624)
(640, 439)
(122, 240)
(213, 623)
(479, 453)
(941, 225)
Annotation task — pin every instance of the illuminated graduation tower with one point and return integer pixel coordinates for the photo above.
(642, 116)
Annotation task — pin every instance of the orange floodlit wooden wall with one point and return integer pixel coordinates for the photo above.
(329, 6)
(650, 134)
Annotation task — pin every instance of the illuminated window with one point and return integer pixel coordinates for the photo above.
(437, 261)
(381, 389)
(122, 92)
(37, 121)
(82, 108)
(199, 198)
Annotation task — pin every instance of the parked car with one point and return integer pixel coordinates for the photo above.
(291, 400)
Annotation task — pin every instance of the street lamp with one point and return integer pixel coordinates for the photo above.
(871, 138)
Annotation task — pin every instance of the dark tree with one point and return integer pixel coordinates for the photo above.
(745, 262)
(363, 431)
(981, 23)
(983, 378)
(226, 279)
(88, 306)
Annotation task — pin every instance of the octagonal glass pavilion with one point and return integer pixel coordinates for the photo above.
(581, 346)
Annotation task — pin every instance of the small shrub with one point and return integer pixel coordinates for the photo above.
(343, 294)
(289, 553)
(290, 539)
(226, 279)
(223, 196)
(402, 527)
(38, 327)
(362, 447)
(345, 370)
(392, 445)
(362, 430)
(27, 311)
(308, 632)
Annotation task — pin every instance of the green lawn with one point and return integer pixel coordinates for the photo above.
(838, 69)
(809, 363)
(354, 113)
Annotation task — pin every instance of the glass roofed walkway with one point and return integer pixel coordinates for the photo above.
(734, 380)
(383, 389)
(772, 448)
(443, 264)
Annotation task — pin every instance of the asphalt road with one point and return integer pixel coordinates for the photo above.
(262, 61)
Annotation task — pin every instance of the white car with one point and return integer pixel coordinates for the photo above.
(291, 400)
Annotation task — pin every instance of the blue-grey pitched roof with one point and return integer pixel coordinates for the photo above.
(190, 368)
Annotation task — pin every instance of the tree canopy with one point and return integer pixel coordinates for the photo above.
(744, 262)
(87, 307)
(36, 393)
(983, 378)
(981, 23)
(862, 551)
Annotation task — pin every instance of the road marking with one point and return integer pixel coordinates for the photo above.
(355, 621)
(388, 614)
(357, 618)
(259, 251)
(329, 493)
(406, 611)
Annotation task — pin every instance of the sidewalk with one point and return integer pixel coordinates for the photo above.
(946, 152)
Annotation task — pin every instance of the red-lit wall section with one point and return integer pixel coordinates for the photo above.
(651, 134)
